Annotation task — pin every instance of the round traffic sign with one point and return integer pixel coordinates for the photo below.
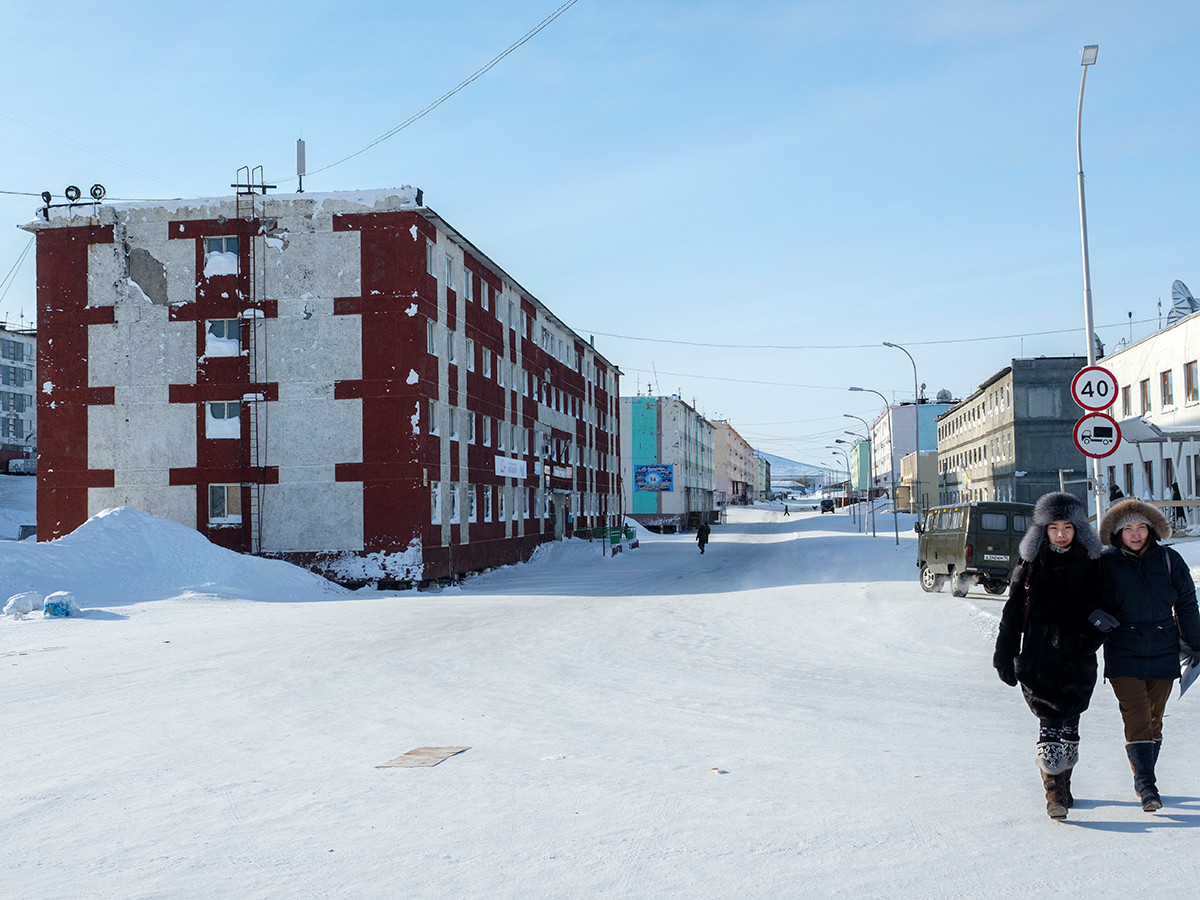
(1094, 387)
(1097, 435)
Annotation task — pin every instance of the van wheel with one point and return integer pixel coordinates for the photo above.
(958, 585)
(931, 582)
(995, 587)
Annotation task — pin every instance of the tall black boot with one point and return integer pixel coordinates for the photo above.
(1142, 756)
(1056, 803)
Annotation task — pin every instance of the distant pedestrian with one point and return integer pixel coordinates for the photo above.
(702, 535)
(1115, 493)
(1147, 590)
(785, 510)
(1047, 642)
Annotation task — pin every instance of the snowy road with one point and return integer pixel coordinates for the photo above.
(862, 745)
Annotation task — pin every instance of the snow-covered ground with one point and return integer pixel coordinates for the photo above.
(787, 715)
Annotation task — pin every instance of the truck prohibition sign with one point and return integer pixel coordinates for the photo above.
(1097, 435)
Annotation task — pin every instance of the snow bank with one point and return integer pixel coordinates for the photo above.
(125, 556)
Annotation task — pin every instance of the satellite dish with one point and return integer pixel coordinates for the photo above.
(944, 396)
(1182, 302)
(72, 193)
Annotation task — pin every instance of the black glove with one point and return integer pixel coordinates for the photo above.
(1007, 670)
(1102, 621)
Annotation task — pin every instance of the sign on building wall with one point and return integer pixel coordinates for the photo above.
(653, 477)
(510, 468)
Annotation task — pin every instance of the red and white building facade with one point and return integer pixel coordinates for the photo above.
(341, 380)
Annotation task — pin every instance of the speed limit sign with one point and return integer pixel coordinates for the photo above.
(1094, 388)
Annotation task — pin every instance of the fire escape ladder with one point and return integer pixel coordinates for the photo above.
(250, 191)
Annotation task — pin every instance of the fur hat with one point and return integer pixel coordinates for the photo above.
(1131, 511)
(1059, 506)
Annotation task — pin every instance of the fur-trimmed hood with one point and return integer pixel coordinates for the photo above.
(1159, 524)
(1059, 506)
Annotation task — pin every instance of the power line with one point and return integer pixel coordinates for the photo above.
(474, 76)
(10, 278)
(968, 340)
(49, 132)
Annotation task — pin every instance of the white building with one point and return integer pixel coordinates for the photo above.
(18, 391)
(1158, 408)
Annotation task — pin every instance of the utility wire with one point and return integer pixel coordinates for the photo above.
(12, 273)
(997, 337)
(474, 76)
(49, 132)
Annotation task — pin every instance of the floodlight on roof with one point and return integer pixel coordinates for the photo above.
(1089, 54)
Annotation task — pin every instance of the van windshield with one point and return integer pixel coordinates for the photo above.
(993, 522)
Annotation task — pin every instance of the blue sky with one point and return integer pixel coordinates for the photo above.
(812, 177)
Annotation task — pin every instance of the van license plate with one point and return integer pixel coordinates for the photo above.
(993, 557)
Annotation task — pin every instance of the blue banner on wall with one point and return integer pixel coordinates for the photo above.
(654, 477)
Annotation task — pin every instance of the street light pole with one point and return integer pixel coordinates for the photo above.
(870, 468)
(891, 459)
(846, 490)
(916, 424)
(859, 515)
(1088, 58)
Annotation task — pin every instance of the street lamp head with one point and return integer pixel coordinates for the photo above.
(856, 389)
(1089, 54)
(888, 344)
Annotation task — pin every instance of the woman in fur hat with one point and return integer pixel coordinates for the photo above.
(1046, 641)
(1148, 590)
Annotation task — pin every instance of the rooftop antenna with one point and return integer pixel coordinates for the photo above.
(300, 164)
(654, 369)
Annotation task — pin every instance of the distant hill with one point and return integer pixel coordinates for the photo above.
(782, 469)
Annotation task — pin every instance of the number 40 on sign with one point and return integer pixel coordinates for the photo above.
(1094, 388)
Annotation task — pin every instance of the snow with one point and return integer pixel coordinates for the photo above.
(787, 715)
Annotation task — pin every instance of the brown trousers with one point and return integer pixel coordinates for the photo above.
(1142, 705)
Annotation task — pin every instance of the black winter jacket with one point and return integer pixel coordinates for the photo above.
(1155, 604)
(1045, 627)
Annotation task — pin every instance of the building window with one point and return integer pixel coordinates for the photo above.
(223, 338)
(223, 420)
(454, 503)
(220, 256)
(503, 491)
(449, 274)
(468, 284)
(450, 347)
(1144, 388)
(1126, 402)
(430, 337)
(435, 502)
(224, 504)
(487, 503)
(470, 355)
(483, 301)
(433, 417)
(1148, 471)
(1168, 474)
(453, 422)
(430, 259)
(487, 363)
(1166, 382)
(471, 426)
(1191, 388)
(471, 510)
(487, 431)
